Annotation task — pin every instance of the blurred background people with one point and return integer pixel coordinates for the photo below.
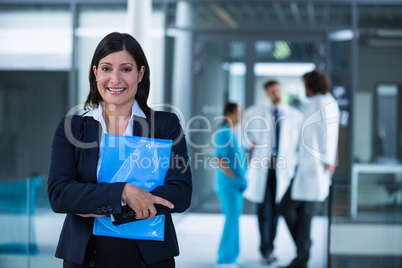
(230, 183)
(276, 154)
(317, 163)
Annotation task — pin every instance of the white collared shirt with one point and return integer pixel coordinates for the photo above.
(97, 114)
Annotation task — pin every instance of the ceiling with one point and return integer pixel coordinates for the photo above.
(259, 14)
(376, 23)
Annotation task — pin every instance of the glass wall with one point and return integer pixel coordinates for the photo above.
(366, 222)
(220, 78)
(35, 52)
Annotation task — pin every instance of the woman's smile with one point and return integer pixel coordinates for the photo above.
(116, 91)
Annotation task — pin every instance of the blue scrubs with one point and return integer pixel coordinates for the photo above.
(229, 191)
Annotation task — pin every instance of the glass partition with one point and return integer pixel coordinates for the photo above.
(220, 77)
(29, 113)
(366, 212)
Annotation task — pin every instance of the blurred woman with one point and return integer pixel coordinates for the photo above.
(230, 182)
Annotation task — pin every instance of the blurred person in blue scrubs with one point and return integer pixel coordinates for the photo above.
(230, 183)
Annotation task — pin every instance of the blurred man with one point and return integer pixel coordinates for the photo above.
(272, 131)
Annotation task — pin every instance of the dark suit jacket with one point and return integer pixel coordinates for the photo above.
(73, 187)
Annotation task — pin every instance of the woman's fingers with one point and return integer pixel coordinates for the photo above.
(160, 201)
(152, 213)
(142, 201)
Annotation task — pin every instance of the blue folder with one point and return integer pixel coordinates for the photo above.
(142, 162)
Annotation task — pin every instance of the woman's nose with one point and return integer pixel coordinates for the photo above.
(115, 79)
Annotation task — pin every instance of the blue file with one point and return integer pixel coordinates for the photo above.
(142, 162)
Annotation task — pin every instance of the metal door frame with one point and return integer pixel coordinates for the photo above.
(318, 39)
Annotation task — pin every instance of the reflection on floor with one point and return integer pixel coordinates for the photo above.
(198, 234)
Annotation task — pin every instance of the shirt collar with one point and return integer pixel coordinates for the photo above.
(279, 108)
(98, 112)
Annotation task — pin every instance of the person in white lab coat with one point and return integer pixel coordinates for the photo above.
(273, 161)
(316, 166)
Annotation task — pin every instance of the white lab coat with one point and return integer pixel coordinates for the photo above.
(258, 128)
(319, 144)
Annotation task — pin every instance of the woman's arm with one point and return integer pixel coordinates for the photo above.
(225, 168)
(70, 193)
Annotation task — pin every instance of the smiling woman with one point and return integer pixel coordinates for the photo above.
(117, 104)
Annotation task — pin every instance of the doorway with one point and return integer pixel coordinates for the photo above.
(234, 68)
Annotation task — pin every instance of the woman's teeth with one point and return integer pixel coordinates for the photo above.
(116, 89)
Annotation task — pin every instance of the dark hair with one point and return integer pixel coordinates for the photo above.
(270, 83)
(115, 42)
(230, 108)
(317, 82)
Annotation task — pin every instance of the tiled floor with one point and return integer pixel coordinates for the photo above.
(198, 234)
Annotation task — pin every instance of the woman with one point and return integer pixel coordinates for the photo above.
(230, 182)
(119, 89)
(317, 163)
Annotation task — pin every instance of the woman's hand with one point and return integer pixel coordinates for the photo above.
(253, 145)
(330, 168)
(142, 201)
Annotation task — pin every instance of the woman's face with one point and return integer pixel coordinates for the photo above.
(309, 93)
(117, 78)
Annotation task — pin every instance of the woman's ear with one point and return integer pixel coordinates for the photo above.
(95, 70)
(141, 73)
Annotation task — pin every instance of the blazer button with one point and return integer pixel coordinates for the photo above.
(91, 264)
(110, 208)
(104, 209)
(99, 210)
(124, 215)
(130, 213)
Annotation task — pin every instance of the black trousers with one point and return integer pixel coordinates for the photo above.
(267, 213)
(298, 216)
(110, 252)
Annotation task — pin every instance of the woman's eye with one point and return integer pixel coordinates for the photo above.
(106, 69)
(126, 70)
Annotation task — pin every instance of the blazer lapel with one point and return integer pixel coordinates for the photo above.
(91, 154)
(141, 127)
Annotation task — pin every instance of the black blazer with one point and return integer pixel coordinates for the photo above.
(73, 187)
